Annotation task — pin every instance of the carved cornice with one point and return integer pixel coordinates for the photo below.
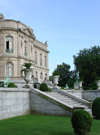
(17, 29)
(21, 57)
(37, 46)
(41, 67)
(8, 28)
(17, 57)
(41, 43)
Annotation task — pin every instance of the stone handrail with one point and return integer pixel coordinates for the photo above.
(74, 97)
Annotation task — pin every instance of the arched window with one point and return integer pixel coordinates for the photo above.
(9, 44)
(9, 67)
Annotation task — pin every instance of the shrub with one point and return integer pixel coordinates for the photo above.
(49, 89)
(43, 87)
(96, 108)
(81, 122)
(12, 85)
(35, 85)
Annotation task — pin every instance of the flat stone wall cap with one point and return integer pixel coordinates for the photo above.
(98, 90)
(14, 89)
(75, 107)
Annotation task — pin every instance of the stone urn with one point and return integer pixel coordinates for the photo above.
(28, 77)
(80, 84)
(55, 80)
(98, 84)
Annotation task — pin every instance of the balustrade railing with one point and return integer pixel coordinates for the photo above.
(9, 50)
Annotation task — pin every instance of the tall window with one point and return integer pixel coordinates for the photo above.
(9, 46)
(36, 74)
(25, 51)
(45, 76)
(40, 75)
(9, 69)
(45, 61)
(35, 57)
(41, 59)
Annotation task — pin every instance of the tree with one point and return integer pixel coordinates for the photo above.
(64, 73)
(87, 62)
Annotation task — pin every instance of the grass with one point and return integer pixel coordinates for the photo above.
(41, 125)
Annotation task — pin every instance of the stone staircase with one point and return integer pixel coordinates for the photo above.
(68, 100)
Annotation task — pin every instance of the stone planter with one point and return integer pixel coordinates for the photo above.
(28, 77)
(80, 84)
(98, 84)
(55, 80)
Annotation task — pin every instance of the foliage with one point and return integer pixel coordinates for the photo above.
(12, 85)
(88, 65)
(65, 74)
(35, 85)
(51, 78)
(71, 82)
(81, 122)
(49, 89)
(27, 66)
(96, 108)
(43, 87)
(56, 73)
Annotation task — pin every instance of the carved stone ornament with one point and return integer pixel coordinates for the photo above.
(9, 60)
(1, 16)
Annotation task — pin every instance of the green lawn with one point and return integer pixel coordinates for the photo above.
(41, 125)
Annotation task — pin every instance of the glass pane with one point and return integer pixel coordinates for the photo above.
(9, 69)
(8, 38)
(10, 72)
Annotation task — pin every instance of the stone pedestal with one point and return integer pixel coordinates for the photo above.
(76, 86)
(55, 89)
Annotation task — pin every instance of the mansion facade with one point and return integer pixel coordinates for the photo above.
(18, 45)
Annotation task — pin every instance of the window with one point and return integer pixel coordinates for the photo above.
(9, 47)
(45, 76)
(41, 59)
(25, 51)
(36, 74)
(35, 57)
(21, 43)
(9, 69)
(45, 61)
(31, 48)
(40, 75)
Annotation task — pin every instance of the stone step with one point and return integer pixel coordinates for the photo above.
(67, 100)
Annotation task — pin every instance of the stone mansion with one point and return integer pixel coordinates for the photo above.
(18, 45)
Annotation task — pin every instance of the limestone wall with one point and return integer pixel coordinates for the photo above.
(90, 95)
(14, 102)
(41, 103)
(77, 93)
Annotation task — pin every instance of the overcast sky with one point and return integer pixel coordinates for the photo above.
(68, 25)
